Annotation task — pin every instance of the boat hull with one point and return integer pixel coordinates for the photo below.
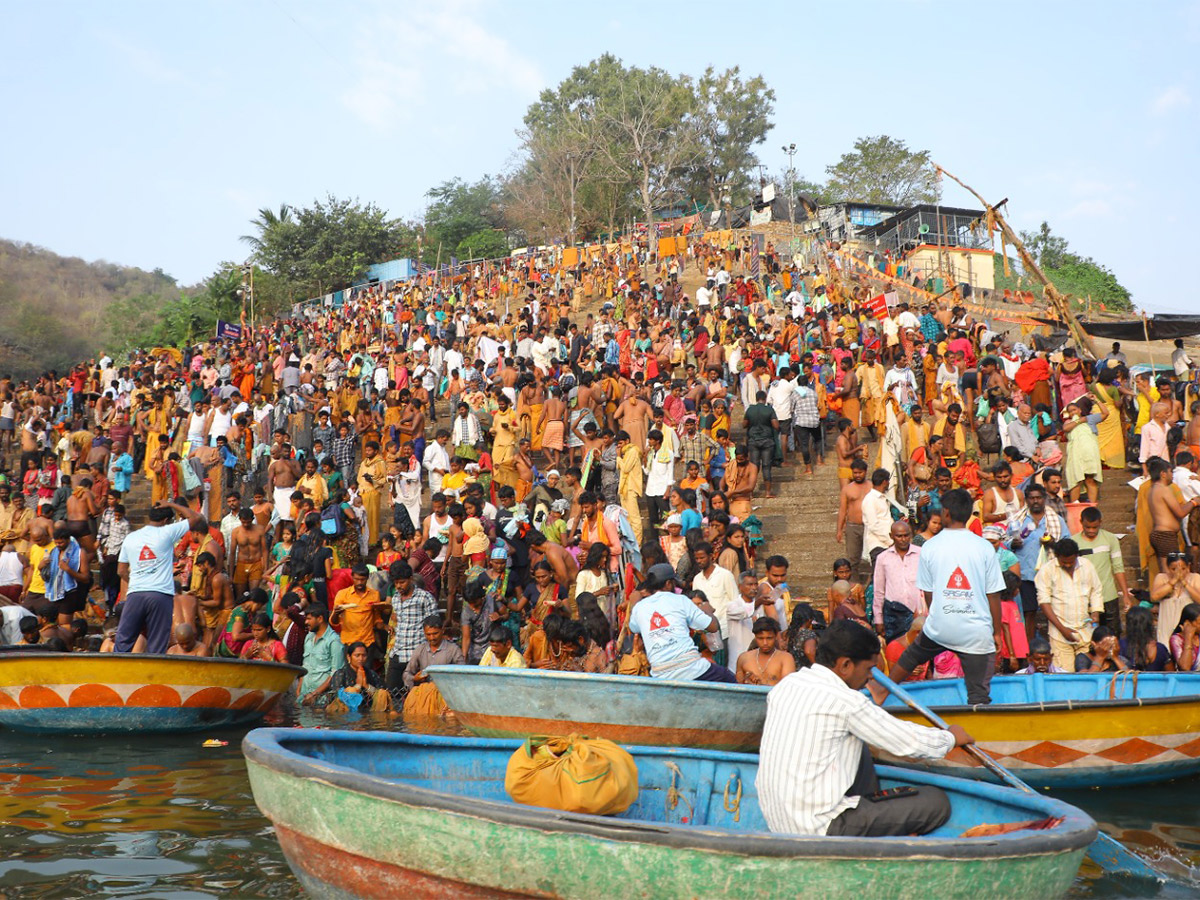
(642, 711)
(1058, 731)
(339, 827)
(84, 693)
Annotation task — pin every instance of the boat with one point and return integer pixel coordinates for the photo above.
(623, 708)
(1073, 730)
(113, 693)
(1054, 731)
(383, 814)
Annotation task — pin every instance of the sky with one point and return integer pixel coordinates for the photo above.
(149, 134)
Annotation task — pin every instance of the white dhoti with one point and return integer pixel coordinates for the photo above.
(283, 503)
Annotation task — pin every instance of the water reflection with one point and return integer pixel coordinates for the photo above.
(154, 816)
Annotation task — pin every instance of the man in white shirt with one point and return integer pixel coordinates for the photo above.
(452, 358)
(959, 574)
(782, 397)
(877, 516)
(666, 620)
(1072, 599)
(815, 774)
(1180, 361)
(720, 590)
(660, 476)
(437, 460)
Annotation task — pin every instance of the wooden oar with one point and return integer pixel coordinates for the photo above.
(1106, 852)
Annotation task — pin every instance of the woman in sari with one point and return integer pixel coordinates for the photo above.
(1110, 432)
(356, 686)
(1083, 468)
(542, 594)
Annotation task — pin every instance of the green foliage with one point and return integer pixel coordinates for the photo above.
(882, 169)
(323, 247)
(488, 244)
(1079, 277)
(459, 210)
(732, 116)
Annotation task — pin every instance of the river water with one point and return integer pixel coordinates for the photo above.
(165, 817)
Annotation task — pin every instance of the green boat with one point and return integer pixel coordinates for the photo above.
(378, 814)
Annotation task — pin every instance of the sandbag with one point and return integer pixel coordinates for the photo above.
(424, 700)
(573, 774)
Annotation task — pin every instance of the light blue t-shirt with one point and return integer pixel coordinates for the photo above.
(150, 553)
(665, 622)
(960, 569)
(690, 519)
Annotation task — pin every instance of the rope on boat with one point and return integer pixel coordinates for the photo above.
(736, 809)
(674, 795)
(1122, 677)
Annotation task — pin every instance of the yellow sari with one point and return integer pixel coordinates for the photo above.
(1109, 432)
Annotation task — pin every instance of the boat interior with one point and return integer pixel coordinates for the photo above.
(678, 787)
(1075, 687)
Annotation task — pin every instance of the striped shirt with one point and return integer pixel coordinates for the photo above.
(812, 743)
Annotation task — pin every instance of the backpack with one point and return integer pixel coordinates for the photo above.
(333, 523)
(988, 436)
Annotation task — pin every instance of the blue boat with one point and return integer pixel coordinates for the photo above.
(1055, 731)
(377, 814)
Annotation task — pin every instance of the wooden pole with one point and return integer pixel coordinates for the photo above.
(1149, 351)
(1057, 300)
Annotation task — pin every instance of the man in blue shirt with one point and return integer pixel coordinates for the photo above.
(146, 565)
(1025, 537)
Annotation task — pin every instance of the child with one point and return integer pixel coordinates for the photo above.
(673, 543)
(765, 663)
(387, 553)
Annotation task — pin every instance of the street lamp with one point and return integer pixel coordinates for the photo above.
(790, 150)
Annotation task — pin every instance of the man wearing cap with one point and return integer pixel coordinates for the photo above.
(665, 621)
(145, 565)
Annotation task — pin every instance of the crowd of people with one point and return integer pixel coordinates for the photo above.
(534, 464)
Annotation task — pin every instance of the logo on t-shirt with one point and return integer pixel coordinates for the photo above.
(958, 581)
(657, 621)
(147, 555)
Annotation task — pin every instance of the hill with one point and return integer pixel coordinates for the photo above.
(52, 308)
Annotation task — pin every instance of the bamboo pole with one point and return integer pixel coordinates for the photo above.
(1057, 300)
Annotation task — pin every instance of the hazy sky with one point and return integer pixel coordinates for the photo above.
(149, 133)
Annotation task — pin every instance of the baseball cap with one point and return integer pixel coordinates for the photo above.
(658, 576)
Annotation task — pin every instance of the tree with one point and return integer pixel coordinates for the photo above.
(1076, 276)
(266, 220)
(460, 210)
(325, 246)
(1048, 249)
(490, 243)
(731, 116)
(882, 169)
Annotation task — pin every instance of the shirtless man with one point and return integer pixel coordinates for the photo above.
(248, 555)
(1192, 433)
(456, 564)
(847, 449)
(562, 563)
(1002, 502)
(1166, 511)
(81, 509)
(262, 507)
(215, 600)
(849, 518)
(554, 410)
(185, 642)
(765, 663)
(282, 475)
(524, 464)
(635, 417)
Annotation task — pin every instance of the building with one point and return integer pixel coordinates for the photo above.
(843, 222)
(936, 242)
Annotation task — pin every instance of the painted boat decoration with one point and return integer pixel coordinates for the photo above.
(1074, 730)
(379, 814)
(496, 702)
(92, 693)
(1064, 730)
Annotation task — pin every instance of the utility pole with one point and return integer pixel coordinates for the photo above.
(790, 150)
(571, 164)
(1058, 301)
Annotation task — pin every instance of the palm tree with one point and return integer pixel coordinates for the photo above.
(266, 220)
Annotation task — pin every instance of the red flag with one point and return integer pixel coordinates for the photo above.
(877, 307)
